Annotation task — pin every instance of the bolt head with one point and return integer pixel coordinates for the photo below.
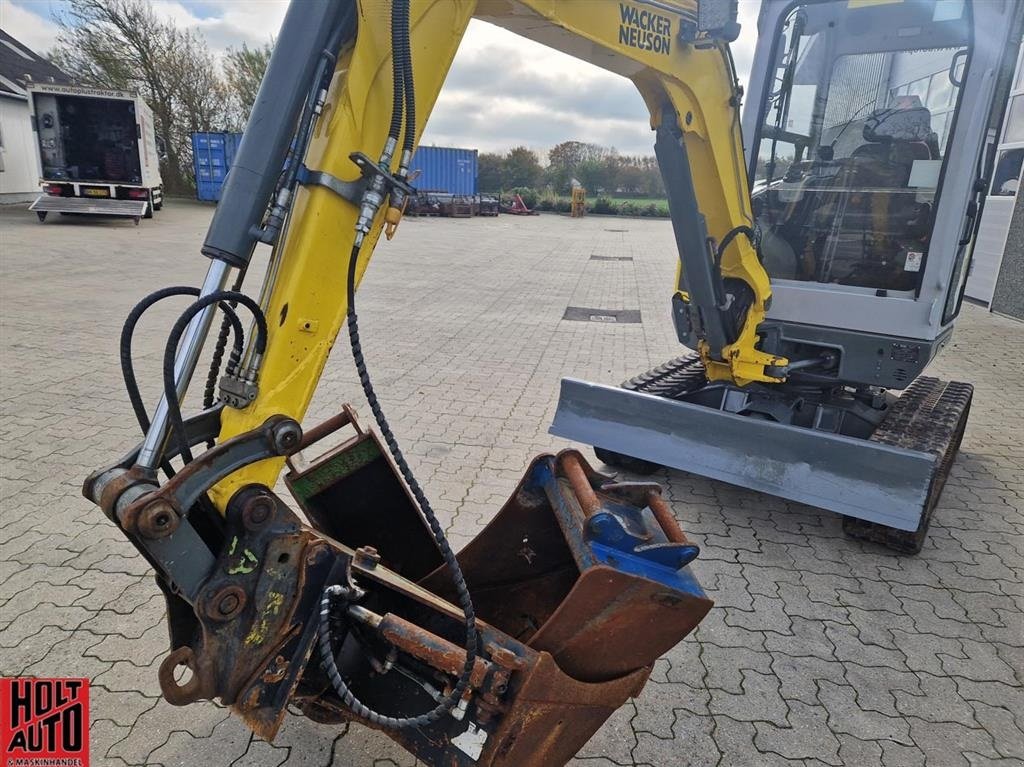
(367, 557)
(228, 604)
(158, 519)
(257, 512)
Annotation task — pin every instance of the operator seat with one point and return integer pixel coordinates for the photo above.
(896, 137)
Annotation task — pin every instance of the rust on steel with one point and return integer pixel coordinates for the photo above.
(585, 494)
(432, 649)
(666, 518)
(564, 639)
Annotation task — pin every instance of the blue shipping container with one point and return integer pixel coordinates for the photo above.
(444, 169)
(212, 156)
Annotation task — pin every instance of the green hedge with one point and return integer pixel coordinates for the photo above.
(546, 201)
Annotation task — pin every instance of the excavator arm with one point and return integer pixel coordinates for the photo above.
(688, 84)
(517, 648)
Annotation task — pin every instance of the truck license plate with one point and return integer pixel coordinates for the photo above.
(96, 192)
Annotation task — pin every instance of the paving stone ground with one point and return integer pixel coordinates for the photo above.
(820, 651)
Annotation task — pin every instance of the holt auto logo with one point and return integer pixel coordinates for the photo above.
(44, 723)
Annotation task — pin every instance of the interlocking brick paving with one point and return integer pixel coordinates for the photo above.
(821, 651)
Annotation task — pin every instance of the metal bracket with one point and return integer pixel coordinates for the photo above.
(278, 436)
(199, 428)
(369, 169)
(255, 613)
(352, 191)
(156, 519)
(236, 392)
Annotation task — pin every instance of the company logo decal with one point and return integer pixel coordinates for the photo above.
(644, 29)
(44, 723)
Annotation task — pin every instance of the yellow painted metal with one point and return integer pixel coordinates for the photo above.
(638, 40)
(311, 281)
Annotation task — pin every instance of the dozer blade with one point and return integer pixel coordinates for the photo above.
(884, 484)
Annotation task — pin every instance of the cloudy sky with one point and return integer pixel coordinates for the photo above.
(502, 90)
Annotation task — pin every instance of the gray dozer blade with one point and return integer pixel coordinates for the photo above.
(863, 479)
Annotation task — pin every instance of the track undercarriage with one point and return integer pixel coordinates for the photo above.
(920, 430)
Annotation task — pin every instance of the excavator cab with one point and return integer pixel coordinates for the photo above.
(853, 218)
(864, 148)
(864, 126)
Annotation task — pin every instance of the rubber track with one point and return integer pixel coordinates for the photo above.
(675, 378)
(930, 417)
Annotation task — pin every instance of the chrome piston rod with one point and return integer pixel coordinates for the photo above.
(184, 365)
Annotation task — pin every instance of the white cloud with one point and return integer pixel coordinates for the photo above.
(227, 23)
(545, 96)
(502, 90)
(29, 23)
(743, 48)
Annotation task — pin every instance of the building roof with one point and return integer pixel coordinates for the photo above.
(19, 65)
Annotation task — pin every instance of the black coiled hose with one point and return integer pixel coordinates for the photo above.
(210, 391)
(231, 322)
(344, 692)
(402, 71)
(177, 423)
(399, 45)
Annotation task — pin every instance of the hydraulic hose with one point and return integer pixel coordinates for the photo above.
(407, 82)
(399, 48)
(177, 423)
(210, 392)
(402, 62)
(465, 600)
(731, 235)
(231, 322)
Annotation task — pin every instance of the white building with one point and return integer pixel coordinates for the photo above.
(997, 266)
(19, 166)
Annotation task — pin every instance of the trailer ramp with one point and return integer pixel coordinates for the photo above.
(93, 206)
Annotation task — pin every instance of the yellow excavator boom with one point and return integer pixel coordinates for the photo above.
(515, 650)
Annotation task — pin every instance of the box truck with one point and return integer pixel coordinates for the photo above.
(97, 152)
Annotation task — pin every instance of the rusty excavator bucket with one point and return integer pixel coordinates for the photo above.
(579, 584)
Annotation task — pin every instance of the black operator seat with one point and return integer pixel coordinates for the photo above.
(897, 136)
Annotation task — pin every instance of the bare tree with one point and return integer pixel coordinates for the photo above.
(244, 68)
(122, 44)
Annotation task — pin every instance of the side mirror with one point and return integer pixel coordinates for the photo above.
(161, 148)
